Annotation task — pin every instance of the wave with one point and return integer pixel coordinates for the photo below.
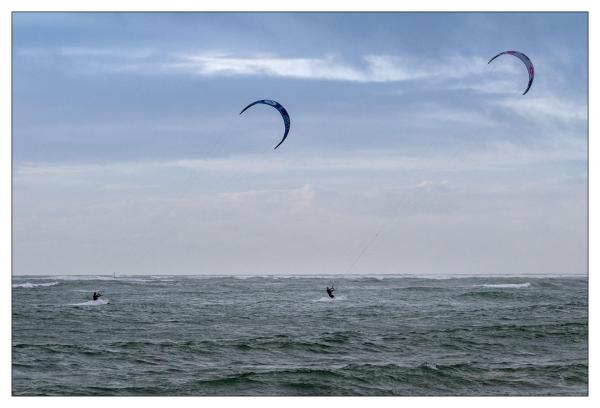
(81, 277)
(29, 285)
(505, 285)
(138, 280)
(98, 302)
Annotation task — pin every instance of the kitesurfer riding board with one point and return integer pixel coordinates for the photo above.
(330, 291)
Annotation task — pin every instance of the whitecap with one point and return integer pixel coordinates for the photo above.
(82, 277)
(505, 285)
(29, 285)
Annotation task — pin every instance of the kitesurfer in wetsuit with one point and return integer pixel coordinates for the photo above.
(97, 295)
(330, 291)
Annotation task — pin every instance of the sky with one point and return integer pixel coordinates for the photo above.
(407, 154)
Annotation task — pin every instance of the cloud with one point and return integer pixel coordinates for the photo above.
(548, 107)
(106, 52)
(88, 54)
(368, 68)
(304, 230)
(432, 185)
(487, 85)
(313, 68)
(372, 68)
(496, 156)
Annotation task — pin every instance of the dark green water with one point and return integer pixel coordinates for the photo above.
(282, 336)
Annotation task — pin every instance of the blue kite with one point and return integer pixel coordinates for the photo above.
(525, 60)
(281, 109)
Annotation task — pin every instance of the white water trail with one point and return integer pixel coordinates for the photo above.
(98, 302)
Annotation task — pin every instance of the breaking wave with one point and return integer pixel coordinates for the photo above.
(29, 285)
(505, 285)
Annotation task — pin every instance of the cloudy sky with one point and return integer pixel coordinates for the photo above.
(408, 153)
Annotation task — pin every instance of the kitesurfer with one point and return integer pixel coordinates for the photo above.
(96, 295)
(330, 291)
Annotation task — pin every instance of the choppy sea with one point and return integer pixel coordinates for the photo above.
(282, 335)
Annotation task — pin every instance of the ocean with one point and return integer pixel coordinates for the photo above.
(282, 335)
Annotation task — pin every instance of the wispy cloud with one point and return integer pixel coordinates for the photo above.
(368, 68)
(106, 52)
(548, 107)
(87, 52)
(497, 156)
(315, 68)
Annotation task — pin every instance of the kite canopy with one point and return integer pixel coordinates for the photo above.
(282, 111)
(525, 60)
